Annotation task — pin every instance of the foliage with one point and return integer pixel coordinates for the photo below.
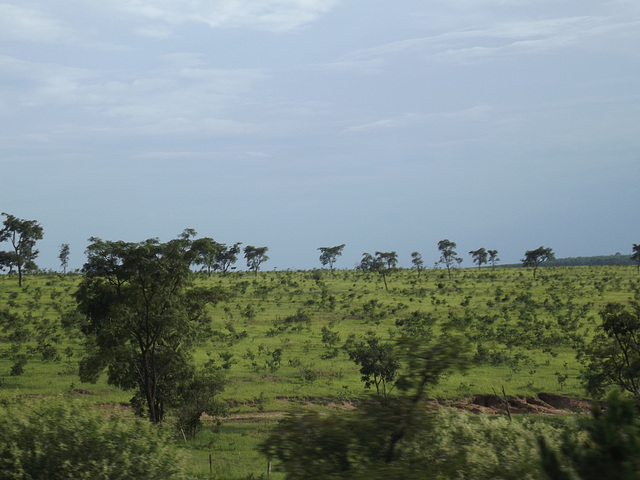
(22, 234)
(383, 263)
(377, 360)
(418, 263)
(493, 257)
(613, 355)
(255, 256)
(64, 440)
(479, 256)
(329, 255)
(355, 445)
(448, 256)
(143, 317)
(533, 258)
(607, 445)
(63, 256)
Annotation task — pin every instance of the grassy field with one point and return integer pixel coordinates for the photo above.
(279, 335)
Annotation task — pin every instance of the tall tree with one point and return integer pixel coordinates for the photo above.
(383, 263)
(255, 256)
(448, 255)
(479, 256)
(416, 259)
(143, 316)
(493, 257)
(207, 251)
(635, 256)
(63, 256)
(22, 234)
(533, 258)
(228, 256)
(329, 255)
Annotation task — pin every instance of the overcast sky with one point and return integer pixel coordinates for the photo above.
(295, 124)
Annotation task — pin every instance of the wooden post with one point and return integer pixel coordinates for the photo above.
(210, 464)
(506, 402)
(269, 468)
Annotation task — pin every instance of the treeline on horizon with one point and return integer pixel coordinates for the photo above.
(617, 259)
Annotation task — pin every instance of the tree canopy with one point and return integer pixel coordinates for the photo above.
(22, 234)
(533, 258)
(448, 256)
(255, 256)
(143, 315)
(329, 255)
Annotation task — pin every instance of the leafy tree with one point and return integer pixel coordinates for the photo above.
(207, 252)
(328, 255)
(57, 439)
(533, 258)
(228, 256)
(383, 263)
(493, 257)
(143, 315)
(613, 355)
(635, 256)
(479, 256)
(22, 234)
(447, 254)
(255, 256)
(378, 362)
(63, 256)
(416, 259)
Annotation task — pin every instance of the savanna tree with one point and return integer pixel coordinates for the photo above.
(416, 260)
(533, 258)
(448, 256)
(228, 256)
(255, 256)
(493, 257)
(207, 251)
(479, 256)
(143, 318)
(329, 255)
(383, 263)
(22, 234)
(63, 256)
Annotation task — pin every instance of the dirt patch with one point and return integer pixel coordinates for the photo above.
(543, 403)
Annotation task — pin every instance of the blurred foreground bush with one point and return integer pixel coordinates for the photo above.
(56, 440)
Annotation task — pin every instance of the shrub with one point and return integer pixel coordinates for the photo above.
(57, 440)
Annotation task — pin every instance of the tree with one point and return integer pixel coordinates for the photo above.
(447, 254)
(378, 362)
(207, 251)
(493, 257)
(533, 258)
(416, 259)
(613, 355)
(383, 263)
(63, 256)
(255, 256)
(143, 316)
(23, 235)
(635, 256)
(228, 256)
(479, 256)
(6, 261)
(328, 255)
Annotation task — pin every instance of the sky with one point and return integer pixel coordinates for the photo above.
(298, 124)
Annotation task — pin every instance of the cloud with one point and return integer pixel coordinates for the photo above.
(29, 25)
(501, 40)
(270, 15)
(409, 120)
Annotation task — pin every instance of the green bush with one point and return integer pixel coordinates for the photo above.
(56, 440)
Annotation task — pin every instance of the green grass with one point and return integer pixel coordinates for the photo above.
(249, 327)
